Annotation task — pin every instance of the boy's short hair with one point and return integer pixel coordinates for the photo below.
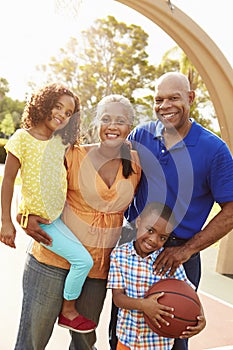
(163, 210)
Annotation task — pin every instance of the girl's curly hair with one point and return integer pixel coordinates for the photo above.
(40, 106)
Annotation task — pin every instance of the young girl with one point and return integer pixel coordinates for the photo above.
(50, 125)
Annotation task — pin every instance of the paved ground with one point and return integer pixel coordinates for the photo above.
(216, 293)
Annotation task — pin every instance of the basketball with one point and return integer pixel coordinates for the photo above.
(185, 301)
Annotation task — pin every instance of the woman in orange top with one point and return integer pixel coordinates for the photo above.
(102, 180)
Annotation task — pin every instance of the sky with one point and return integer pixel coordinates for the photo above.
(33, 31)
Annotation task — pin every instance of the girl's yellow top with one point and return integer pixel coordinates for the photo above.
(42, 172)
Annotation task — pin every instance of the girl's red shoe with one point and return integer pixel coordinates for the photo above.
(79, 324)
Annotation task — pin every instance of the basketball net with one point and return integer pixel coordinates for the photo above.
(68, 8)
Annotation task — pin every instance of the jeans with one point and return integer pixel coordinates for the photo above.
(42, 301)
(90, 304)
(67, 245)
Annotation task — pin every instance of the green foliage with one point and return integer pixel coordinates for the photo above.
(7, 126)
(12, 107)
(117, 60)
(111, 59)
(4, 88)
(2, 150)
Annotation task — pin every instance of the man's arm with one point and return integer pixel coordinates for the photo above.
(217, 228)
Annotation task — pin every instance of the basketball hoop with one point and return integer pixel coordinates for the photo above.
(68, 8)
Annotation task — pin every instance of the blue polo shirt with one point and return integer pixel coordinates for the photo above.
(189, 177)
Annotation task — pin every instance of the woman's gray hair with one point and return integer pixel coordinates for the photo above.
(115, 98)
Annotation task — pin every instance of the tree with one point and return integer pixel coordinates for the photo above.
(13, 107)
(111, 59)
(117, 60)
(10, 110)
(4, 88)
(7, 126)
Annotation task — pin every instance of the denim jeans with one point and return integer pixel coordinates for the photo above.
(42, 301)
(90, 304)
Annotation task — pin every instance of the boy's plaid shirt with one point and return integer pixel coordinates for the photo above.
(135, 275)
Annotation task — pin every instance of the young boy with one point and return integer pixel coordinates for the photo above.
(130, 276)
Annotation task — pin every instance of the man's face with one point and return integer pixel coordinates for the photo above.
(172, 103)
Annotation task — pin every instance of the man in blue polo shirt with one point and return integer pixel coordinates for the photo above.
(188, 168)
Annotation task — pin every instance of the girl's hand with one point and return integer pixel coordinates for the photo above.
(155, 311)
(191, 331)
(7, 234)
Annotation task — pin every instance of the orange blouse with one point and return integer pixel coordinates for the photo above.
(93, 211)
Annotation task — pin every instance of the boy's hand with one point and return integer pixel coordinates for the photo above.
(7, 234)
(191, 331)
(34, 230)
(155, 311)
